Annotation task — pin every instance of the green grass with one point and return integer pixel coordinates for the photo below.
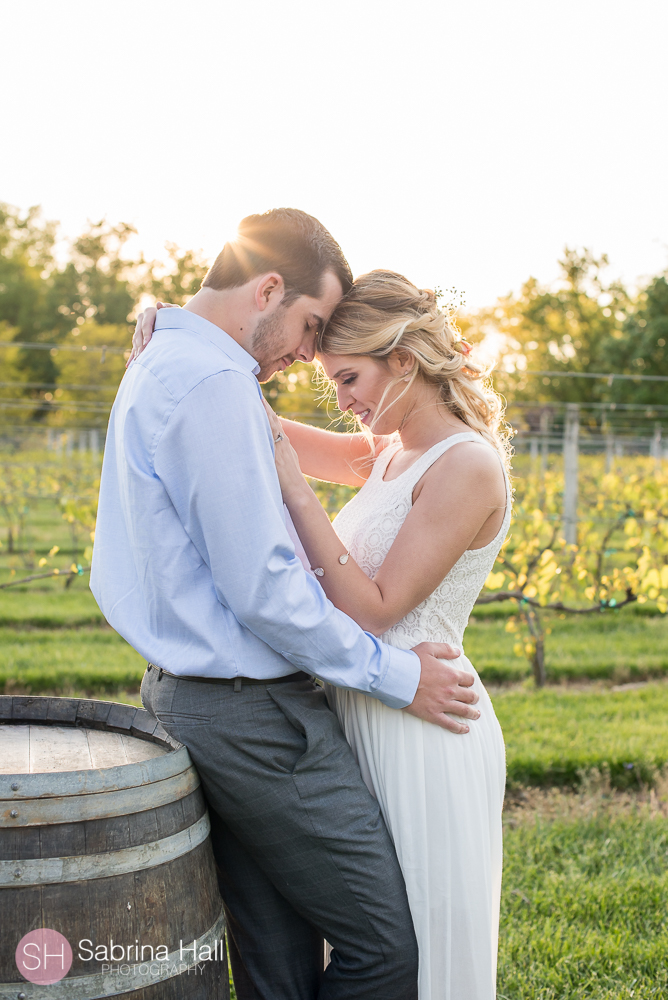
(553, 736)
(90, 660)
(620, 646)
(631, 644)
(583, 910)
(50, 605)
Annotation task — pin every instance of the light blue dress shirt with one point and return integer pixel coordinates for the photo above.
(192, 561)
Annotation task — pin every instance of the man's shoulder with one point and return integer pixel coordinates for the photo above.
(180, 360)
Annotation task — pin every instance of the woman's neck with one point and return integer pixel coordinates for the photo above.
(427, 421)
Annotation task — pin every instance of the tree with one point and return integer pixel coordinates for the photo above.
(98, 282)
(26, 266)
(45, 302)
(89, 377)
(564, 328)
(178, 279)
(639, 347)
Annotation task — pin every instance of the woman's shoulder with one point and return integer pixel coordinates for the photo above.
(471, 464)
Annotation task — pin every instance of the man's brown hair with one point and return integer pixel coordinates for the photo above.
(287, 241)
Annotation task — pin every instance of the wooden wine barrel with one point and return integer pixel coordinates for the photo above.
(104, 836)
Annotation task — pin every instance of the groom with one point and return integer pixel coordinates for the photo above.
(193, 565)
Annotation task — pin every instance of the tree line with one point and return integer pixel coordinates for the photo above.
(86, 297)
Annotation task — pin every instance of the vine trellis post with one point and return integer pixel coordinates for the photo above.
(570, 508)
(544, 439)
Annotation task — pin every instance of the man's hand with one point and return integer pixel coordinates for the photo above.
(443, 688)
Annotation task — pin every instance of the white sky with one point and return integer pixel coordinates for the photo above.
(461, 143)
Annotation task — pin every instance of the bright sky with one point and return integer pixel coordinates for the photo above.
(460, 143)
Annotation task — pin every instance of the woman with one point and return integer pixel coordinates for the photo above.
(406, 558)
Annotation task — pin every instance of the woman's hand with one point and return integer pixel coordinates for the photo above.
(293, 484)
(144, 329)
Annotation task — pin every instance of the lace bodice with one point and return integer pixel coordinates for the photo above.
(369, 523)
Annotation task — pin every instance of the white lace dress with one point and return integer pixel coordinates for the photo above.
(441, 795)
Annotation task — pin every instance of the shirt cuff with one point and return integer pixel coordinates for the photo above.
(401, 678)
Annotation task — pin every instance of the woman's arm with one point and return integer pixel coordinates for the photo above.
(144, 329)
(330, 456)
(462, 500)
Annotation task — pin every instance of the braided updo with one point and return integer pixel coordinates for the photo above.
(384, 311)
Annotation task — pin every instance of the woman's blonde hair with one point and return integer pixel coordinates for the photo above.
(383, 312)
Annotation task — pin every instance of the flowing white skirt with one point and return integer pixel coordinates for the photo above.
(441, 796)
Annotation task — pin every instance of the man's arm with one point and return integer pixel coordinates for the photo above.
(215, 459)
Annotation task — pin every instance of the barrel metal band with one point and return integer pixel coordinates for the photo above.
(114, 984)
(45, 871)
(98, 805)
(101, 779)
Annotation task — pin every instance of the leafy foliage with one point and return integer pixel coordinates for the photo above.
(621, 556)
(26, 265)
(178, 279)
(71, 483)
(582, 323)
(99, 284)
(641, 348)
(88, 377)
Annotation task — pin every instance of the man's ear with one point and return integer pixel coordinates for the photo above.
(269, 291)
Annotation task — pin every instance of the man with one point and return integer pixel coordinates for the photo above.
(194, 566)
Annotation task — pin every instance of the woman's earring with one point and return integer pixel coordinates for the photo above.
(407, 378)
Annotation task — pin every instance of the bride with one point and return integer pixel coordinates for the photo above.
(406, 558)
(423, 533)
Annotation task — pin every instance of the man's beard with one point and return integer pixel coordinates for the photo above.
(267, 343)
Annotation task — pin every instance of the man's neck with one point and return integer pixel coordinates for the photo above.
(227, 310)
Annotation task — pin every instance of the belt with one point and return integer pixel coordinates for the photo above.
(235, 682)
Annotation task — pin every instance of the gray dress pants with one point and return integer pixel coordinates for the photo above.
(299, 841)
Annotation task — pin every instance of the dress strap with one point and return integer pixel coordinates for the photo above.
(416, 471)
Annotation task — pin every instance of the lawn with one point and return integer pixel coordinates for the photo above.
(49, 605)
(585, 885)
(88, 660)
(553, 737)
(48, 644)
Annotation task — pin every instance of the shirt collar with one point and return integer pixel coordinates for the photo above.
(183, 319)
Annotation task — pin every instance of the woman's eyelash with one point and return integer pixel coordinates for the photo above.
(351, 378)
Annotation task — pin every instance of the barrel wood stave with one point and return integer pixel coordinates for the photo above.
(168, 904)
(99, 835)
(84, 712)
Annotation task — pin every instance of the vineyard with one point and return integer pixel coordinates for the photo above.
(571, 639)
(557, 611)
